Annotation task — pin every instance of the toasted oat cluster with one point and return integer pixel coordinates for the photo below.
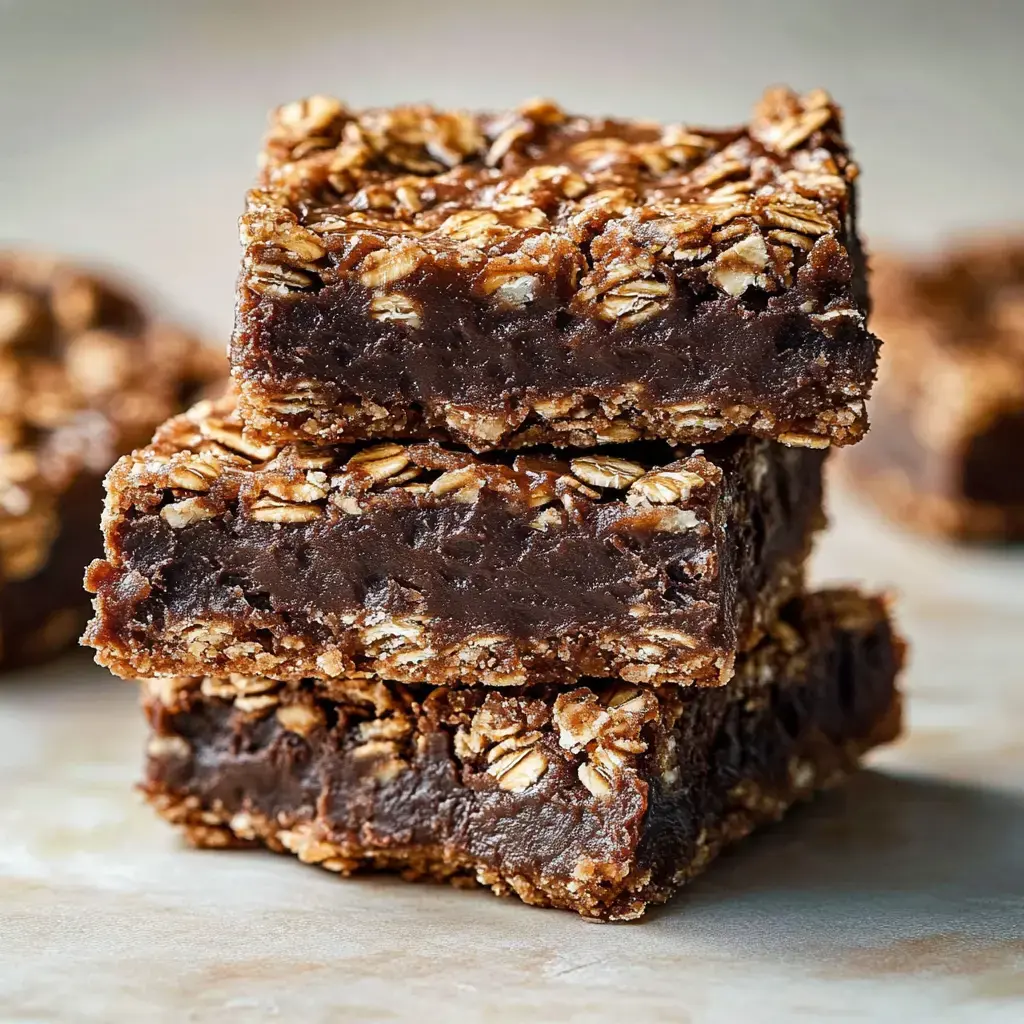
(424, 563)
(601, 799)
(84, 377)
(520, 196)
(483, 278)
(945, 456)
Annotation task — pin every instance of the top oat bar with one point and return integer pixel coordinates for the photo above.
(539, 278)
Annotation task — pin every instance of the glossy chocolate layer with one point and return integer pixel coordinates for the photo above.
(600, 800)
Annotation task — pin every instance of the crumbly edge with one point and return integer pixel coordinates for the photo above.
(753, 804)
(779, 639)
(198, 648)
(931, 514)
(309, 416)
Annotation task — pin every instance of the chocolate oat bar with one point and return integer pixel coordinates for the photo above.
(601, 799)
(84, 377)
(424, 563)
(539, 278)
(946, 455)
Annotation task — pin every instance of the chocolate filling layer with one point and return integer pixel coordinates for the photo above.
(717, 353)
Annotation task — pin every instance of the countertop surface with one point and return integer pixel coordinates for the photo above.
(129, 132)
(899, 898)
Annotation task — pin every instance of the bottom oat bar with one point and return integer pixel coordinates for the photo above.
(601, 799)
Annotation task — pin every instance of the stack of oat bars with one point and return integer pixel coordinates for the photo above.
(492, 565)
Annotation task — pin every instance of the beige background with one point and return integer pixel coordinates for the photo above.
(129, 128)
(128, 131)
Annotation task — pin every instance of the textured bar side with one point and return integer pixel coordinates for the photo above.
(600, 799)
(425, 564)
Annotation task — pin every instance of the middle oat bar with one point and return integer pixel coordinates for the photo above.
(423, 563)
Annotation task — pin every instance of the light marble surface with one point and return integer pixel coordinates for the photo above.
(128, 131)
(900, 898)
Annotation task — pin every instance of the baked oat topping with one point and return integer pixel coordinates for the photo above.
(203, 452)
(615, 212)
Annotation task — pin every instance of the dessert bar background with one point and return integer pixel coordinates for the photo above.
(86, 375)
(946, 455)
